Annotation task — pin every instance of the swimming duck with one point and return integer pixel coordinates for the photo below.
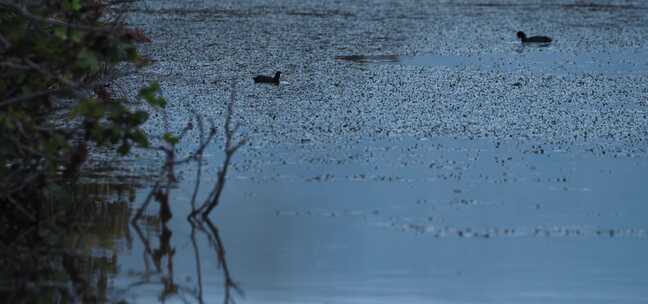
(533, 39)
(267, 79)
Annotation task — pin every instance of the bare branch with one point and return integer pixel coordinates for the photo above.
(141, 209)
(198, 157)
(22, 210)
(31, 96)
(230, 149)
(45, 72)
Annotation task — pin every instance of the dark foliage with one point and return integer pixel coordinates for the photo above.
(54, 101)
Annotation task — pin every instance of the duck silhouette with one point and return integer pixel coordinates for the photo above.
(533, 39)
(267, 79)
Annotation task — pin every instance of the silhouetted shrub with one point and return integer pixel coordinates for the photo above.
(54, 102)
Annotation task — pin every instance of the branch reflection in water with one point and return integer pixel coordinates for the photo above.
(162, 259)
(215, 242)
(199, 217)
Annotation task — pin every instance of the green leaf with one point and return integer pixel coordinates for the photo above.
(97, 134)
(149, 94)
(132, 54)
(88, 60)
(76, 36)
(89, 108)
(123, 149)
(75, 5)
(140, 117)
(61, 32)
(150, 90)
(140, 138)
(169, 138)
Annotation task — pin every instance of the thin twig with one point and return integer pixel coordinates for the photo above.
(148, 252)
(199, 156)
(141, 209)
(22, 210)
(5, 43)
(45, 72)
(22, 98)
(217, 242)
(198, 263)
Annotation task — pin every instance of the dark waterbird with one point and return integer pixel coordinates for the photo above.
(267, 79)
(533, 39)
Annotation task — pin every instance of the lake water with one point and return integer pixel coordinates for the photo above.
(414, 153)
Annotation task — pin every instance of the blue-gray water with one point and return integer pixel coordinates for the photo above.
(415, 152)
